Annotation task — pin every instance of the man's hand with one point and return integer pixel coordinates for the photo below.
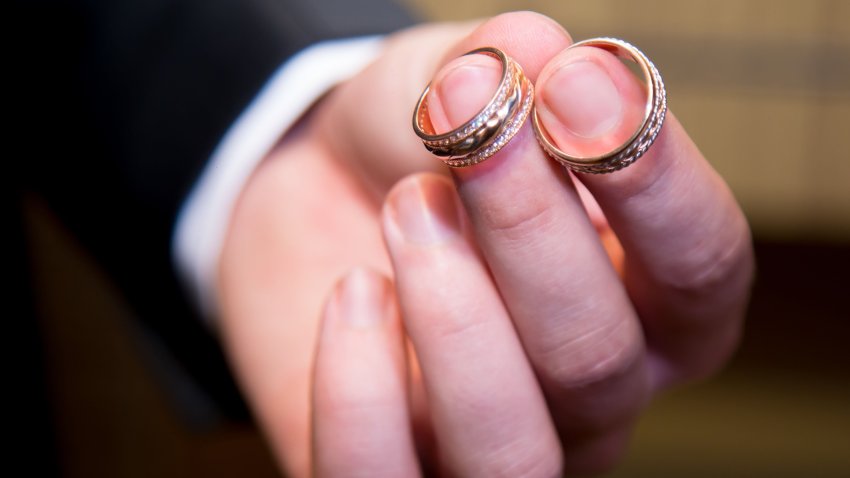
(535, 335)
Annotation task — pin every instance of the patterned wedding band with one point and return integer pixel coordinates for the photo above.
(641, 140)
(490, 129)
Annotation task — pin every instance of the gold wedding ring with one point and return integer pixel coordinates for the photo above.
(491, 128)
(641, 140)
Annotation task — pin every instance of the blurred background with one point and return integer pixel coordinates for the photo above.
(763, 86)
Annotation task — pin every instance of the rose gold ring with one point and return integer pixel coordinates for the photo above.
(490, 129)
(639, 143)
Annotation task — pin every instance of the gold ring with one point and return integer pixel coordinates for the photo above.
(491, 128)
(640, 141)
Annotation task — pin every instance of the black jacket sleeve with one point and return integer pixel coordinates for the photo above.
(119, 105)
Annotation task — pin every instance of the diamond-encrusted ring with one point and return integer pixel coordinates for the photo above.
(491, 128)
(638, 144)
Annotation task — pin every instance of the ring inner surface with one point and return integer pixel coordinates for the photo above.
(633, 123)
(423, 125)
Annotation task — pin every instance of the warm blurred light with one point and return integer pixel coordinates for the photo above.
(763, 87)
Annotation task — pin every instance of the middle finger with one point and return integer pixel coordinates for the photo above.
(570, 309)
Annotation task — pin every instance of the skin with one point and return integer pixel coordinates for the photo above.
(387, 317)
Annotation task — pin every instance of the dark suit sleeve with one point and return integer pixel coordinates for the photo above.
(120, 105)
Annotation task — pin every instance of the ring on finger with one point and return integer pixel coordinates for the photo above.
(490, 129)
(640, 141)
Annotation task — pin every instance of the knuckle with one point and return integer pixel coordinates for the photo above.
(517, 222)
(504, 442)
(602, 351)
(457, 328)
(534, 466)
(343, 405)
(712, 267)
(521, 459)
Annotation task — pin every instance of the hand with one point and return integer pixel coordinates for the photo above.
(536, 354)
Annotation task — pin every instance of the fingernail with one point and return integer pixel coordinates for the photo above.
(461, 89)
(360, 299)
(424, 210)
(583, 98)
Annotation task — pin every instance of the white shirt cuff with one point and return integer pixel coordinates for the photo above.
(205, 215)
